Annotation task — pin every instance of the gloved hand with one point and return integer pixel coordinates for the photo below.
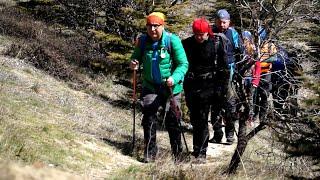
(170, 82)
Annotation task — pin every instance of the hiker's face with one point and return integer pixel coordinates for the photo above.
(201, 37)
(154, 31)
(223, 24)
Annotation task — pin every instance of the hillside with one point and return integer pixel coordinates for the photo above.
(47, 124)
(62, 133)
(66, 134)
(75, 123)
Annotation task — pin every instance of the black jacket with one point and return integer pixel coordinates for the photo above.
(207, 64)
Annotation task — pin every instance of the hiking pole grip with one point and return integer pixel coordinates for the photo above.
(178, 117)
(134, 96)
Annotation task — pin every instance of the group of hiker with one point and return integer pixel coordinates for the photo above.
(204, 67)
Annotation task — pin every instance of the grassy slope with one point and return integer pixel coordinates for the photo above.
(43, 121)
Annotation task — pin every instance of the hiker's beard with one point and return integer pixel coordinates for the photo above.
(155, 37)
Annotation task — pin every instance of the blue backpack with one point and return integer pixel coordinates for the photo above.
(286, 63)
(281, 60)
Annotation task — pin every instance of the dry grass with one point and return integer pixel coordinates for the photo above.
(66, 56)
(36, 171)
(42, 120)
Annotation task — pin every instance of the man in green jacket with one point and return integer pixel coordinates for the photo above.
(164, 66)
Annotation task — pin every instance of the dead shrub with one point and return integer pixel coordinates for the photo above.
(65, 56)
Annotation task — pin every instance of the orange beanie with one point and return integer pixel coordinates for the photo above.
(156, 18)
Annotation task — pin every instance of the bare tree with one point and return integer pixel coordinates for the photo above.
(275, 16)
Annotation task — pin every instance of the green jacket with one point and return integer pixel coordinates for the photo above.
(174, 65)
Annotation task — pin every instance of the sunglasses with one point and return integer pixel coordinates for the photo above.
(153, 26)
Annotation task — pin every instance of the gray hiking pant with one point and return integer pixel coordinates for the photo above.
(152, 101)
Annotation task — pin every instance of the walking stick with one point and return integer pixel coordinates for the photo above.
(178, 115)
(134, 96)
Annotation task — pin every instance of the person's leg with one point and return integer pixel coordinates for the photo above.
(276, 92)
(199, 121)
(216, 121)
(250, 97)
(149, 123)
(264, 94)
(202, 142)
(230, 118)
(173, 127)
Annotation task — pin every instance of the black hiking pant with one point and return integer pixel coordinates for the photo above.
(200, 96)
(228, 117)
(263, 92)
(199, 106)
(151, 103)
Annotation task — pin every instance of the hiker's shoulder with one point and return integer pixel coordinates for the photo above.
(175, 40)
(173, 36)
(188, 40)
(233, 30)
(140, 39)
(220, 37)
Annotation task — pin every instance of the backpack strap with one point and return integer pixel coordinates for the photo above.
(142, 43)
(225, 41)
(167, 42)
(143, 40)
(224, 44)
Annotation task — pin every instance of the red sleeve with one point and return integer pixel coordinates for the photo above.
(256, 74)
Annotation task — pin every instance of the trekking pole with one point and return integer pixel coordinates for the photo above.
(178, 115)
(134, 96)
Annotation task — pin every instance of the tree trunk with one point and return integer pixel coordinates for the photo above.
(243, 140)
(241, 146)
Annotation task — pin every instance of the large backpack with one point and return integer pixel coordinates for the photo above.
(286, 64)
(225, 44)
(281, 61)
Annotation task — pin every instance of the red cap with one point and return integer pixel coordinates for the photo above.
(200, 26)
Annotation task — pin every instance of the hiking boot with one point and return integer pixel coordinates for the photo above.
(230, 140)
(195, 154)
(201, 159)
(179, 159)
(214, 140)
(149, 159)
(217, 136)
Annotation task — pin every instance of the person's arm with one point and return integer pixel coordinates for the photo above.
(222, 57)
(179, 60)
(256, 74)
(237, 45)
